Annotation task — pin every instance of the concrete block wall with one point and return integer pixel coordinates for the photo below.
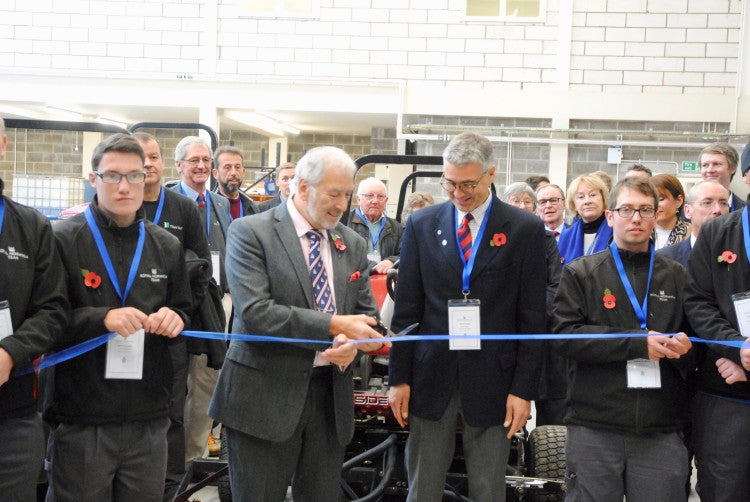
(682, 46)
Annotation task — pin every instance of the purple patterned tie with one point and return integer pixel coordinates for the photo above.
(318, 276)
(464, 236)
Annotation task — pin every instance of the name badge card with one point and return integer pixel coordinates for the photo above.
(125, 356)
(644, 374)
(464, 321)
(216, 266)
(742, 310)
(6, 323)
(374, 256)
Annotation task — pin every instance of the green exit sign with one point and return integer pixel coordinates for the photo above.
(690, 167)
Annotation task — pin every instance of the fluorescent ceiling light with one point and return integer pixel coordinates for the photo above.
(261, 123)
(105, 120)
(63, 113)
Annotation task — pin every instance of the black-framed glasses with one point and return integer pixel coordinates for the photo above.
(465, 186)
(551, 200)
(114, 178)
(627, 212)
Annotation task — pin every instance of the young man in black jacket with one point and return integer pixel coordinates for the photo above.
(627, 397)
(109, 410)
(33, 312)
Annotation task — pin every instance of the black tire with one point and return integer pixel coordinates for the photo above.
(222, 484)
(547, 458)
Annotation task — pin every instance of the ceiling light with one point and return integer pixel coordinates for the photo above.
(63, 113)
(261, 123)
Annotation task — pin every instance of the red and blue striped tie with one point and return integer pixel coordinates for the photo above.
(464, 236)
(318, 275)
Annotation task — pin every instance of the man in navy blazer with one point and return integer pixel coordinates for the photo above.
(705, 201)
(500, 264)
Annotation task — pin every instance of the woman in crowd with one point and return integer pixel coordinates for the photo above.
(415, 202)
(589, 232)
(670, 228)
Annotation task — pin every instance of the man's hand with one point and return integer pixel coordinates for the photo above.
(398, 398)
(124, 321)
(6, 364)
(671, 347)
(165, 322)
(383, 267)
(745, 355)
(357, 327)
(342, 353)
(517, 411)
(730, 371)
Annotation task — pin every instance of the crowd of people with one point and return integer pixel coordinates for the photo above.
(640, 259)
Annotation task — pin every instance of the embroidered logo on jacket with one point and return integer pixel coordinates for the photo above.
(154, 276)
(662, 296)
(12, 254)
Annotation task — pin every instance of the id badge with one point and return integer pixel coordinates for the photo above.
(644, 374)
(742, 311)
(374, 256)
(125, 357)
(6, 323)
(464, 321)
(216, 266)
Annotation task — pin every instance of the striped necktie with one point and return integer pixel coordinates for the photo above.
(464, 236)
(318, 276)
(201, 200)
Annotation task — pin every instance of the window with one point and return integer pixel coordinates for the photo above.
(279, 8)
(523, 11)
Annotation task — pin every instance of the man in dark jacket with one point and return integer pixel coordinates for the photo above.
(109, 410)
(718, 281)
(230, 172)
(382, 234)
(33, 312)
(627, 397)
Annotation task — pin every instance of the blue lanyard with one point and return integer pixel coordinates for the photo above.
(208, 212)
(469, 266)
(640, 309)
(2, 213)
(108, 261)
(374, 238)
(159, 207)
(745, 231)
(731, 203)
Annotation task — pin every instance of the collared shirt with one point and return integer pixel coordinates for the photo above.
(557, 230)
(693, 238)
(374, 227)
(190, 192)
(478, 214)
(302, 226)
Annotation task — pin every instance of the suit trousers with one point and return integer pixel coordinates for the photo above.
(110, 462)
(720, 431)
(201, 382)
(22, 457)
(176, 432)
(311, 459)
(605, 466)
(430, 450)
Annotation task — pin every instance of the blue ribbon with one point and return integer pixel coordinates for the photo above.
(2, 213)
(88, 345)
(108, 261)
(469, 266)
(746, 231)
(373, 238)
(159, 207)
(641, 309)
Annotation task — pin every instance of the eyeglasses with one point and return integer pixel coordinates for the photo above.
(465, 186)
(369, 196)
(521, 202)
(627, 212)
(708, 204)
(551, 200)
(194, 162)
(114, 178)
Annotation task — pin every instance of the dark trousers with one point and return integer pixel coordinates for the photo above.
(311, 459)
(176, 432)
(605, 466)
(721, 429)
(21, 457)
(110, 462)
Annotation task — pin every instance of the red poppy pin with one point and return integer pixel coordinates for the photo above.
(498, 240)
(609, 299)
(356, 275)
(727, 257)
(338, 243)
(91, 279)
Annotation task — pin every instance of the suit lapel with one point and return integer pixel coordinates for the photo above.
(486, 253)
(340, 270)
(290, 243)
(444, 233)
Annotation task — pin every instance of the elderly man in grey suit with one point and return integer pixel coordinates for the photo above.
(295, 272)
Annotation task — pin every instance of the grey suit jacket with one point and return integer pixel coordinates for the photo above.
(262, 387)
